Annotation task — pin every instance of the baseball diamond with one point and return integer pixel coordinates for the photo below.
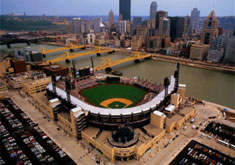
(113, 95)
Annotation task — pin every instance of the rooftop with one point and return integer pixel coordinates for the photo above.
(152, 130)
(173, 119)
(158, 113)
(170, 108)
(186, 110)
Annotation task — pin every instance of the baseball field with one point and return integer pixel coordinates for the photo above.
(113, 95)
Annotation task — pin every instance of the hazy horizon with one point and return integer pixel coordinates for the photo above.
(96, 8)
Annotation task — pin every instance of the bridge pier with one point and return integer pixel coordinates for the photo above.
(8, 46)
(137, 61)
(67, 61)
(113, 51)
(147, 58)
(98, 54)
(108, 69)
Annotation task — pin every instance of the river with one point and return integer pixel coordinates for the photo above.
(213, 86)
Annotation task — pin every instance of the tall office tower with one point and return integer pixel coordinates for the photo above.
(186, 25)
(137, 21)
(125, 9)
(159, 15)
(216, 50)
(194, 21)
(122, 27)
(86, 25)
(229, 56)
(153, 10)
(111, 18)
(210, 28)
(76, 25)
(164, 27)
(96, 25)
(177, 27)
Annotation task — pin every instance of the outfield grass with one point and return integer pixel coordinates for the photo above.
(98, 94)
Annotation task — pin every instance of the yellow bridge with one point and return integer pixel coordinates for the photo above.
(67, 56)
(69, 47)
(108, 63)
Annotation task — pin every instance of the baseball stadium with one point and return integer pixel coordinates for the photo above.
(121, 117)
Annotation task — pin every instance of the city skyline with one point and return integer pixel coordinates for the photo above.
(93, 7)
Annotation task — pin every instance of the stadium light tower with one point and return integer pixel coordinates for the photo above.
(166, 84)
(53, 78)
(68, 88)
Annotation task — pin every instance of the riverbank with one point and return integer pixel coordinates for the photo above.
(193, 63)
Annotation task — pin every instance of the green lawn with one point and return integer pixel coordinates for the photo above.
(98, 94)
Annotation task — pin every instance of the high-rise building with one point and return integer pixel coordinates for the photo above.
(137, 21)
(194, 21)
(86, 25)
(210, 28)
(154, 44)
(76, 25)
(142, 31)
(216, 50)
(153, 10)
(229, 56)
(164, 27)
(159, 15)
(125, 9)
(186, 25)
(136, 43)
(122, 27)
(177, 27)
(111, 18)
(96, 25)
(150, 24)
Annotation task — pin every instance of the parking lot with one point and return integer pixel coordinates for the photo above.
(197, 153)
(223, 133)
(23, 142)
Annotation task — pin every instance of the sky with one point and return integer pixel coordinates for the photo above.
(102, 7)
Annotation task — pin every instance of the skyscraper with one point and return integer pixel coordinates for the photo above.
(122, 26)
(216, 49)
(125, 9)
(164, 27)
(177, 27)
(153, 10)
(111, 18)
(210, 28)
(194, 20)
(186, 25)
(160, 14)
(76, 25)
(137, 21)
(162, 24)
(96, 24)
(229, 56)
